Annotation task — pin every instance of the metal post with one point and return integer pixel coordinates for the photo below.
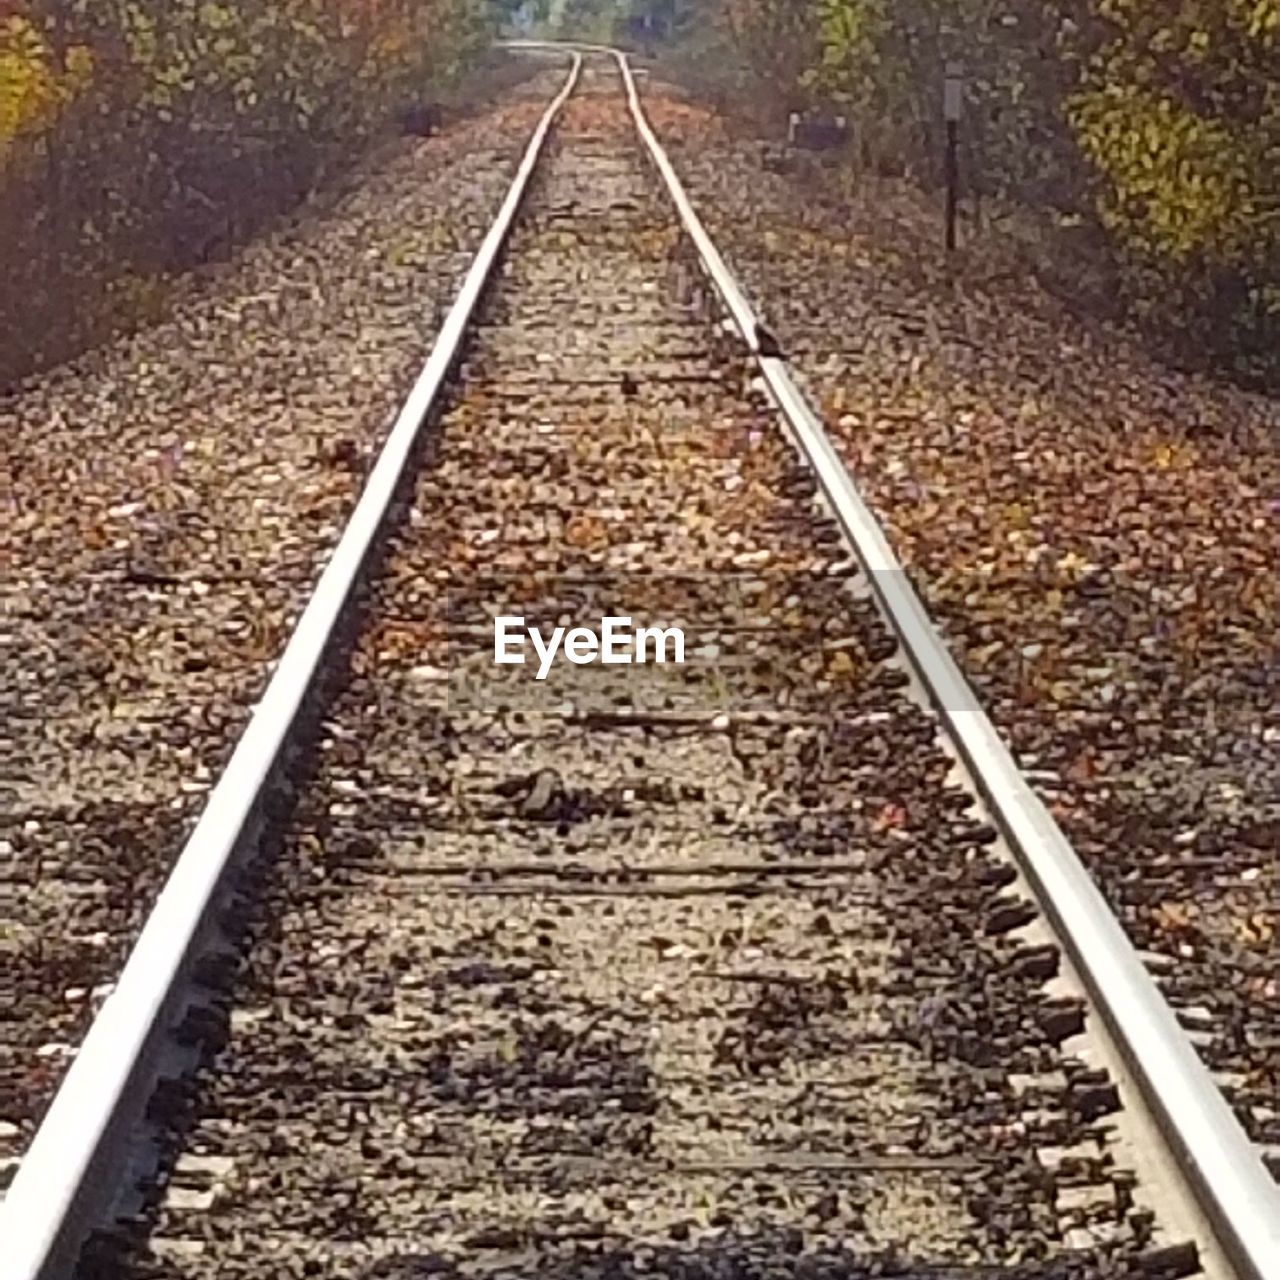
(952, 109)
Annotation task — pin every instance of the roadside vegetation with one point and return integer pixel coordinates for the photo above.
(1133, 145)
(139, 137)
(1144, 134)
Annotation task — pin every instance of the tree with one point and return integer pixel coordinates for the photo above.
(1159, 119)
(137, 135)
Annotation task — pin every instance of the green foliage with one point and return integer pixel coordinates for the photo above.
(1159, 120)
(593, 20)
(780, 43)
(1178, 182)
(1178, 108)
(850, 35)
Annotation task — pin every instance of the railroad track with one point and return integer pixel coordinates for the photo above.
(163, 544)
(696, 969)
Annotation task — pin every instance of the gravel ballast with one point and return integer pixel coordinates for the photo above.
(169, 501)
(706, 970)
(1096, 533)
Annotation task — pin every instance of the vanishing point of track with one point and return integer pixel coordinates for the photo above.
(700, 970)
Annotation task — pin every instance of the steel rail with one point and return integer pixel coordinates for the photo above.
(1216, 1156)
(43, 1215)
(1224, 1169)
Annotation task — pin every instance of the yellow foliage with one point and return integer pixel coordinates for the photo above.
(281, 62)
(1179, 183)
(31, 94)
(850, 31)
(1259, 18)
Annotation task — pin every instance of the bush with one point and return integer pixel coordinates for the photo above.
(1158, 120)
(140, 136)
